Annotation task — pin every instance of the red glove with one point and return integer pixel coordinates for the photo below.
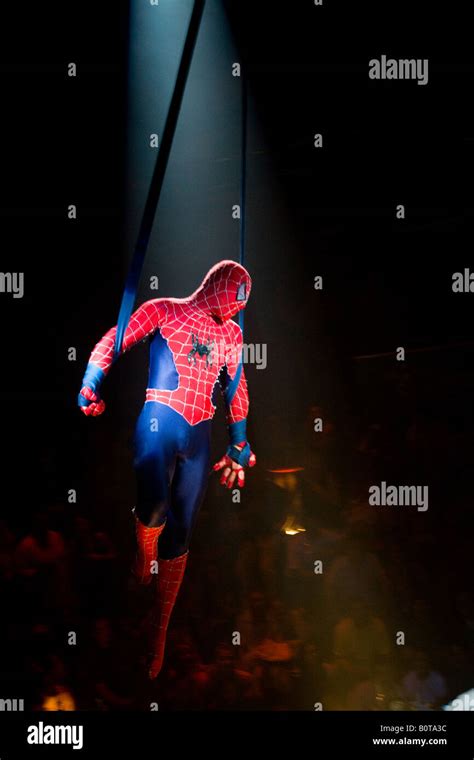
(90, 403)
(232, 470)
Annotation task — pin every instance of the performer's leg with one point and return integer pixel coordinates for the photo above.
(187, 492)
(147, 551)
(154, 462)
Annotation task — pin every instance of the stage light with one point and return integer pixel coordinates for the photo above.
(291, 526)
(286, 471)
(285, 478)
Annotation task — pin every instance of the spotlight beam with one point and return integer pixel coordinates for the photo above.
(133, 276)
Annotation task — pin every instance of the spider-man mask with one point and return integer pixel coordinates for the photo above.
(224, 291)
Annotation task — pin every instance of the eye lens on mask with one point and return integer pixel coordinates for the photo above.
(241, 293)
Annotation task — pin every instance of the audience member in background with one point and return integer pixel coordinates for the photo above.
(7, 544)
(360, 645)
(106, 663)
(356, 573)
(42, 564)
(57, 695)
(423, 686)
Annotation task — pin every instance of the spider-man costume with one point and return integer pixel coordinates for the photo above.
(194, 349)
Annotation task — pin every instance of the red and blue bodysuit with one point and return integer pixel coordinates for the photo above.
(195, 350)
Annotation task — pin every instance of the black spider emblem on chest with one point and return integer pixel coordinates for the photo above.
(202, 350)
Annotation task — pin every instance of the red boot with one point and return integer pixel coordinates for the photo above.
(170, 576)
(147, 551)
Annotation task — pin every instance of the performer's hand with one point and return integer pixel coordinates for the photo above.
(232, 471)
(90, 403)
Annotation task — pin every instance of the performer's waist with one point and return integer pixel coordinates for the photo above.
(157, 394)
(202, 408)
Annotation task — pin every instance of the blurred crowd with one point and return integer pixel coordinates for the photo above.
(299, 597)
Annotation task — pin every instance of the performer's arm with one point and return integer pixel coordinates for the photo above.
(143, 323)
(235, 391)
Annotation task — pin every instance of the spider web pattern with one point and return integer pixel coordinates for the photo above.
(170, 577)
(239, 407)
(147, 550)
(197, 377)
(144, 322)
(178, 321)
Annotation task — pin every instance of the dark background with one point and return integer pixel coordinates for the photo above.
(387, 282)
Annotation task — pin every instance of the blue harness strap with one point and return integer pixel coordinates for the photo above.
(231, 389)
(234, 383)
(243, 180)
(136, 266)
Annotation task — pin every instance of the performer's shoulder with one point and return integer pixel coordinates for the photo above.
(156, 307)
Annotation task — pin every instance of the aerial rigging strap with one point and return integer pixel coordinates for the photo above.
(138, 258)
(231, 389)
(133, 276)
(243, 178)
